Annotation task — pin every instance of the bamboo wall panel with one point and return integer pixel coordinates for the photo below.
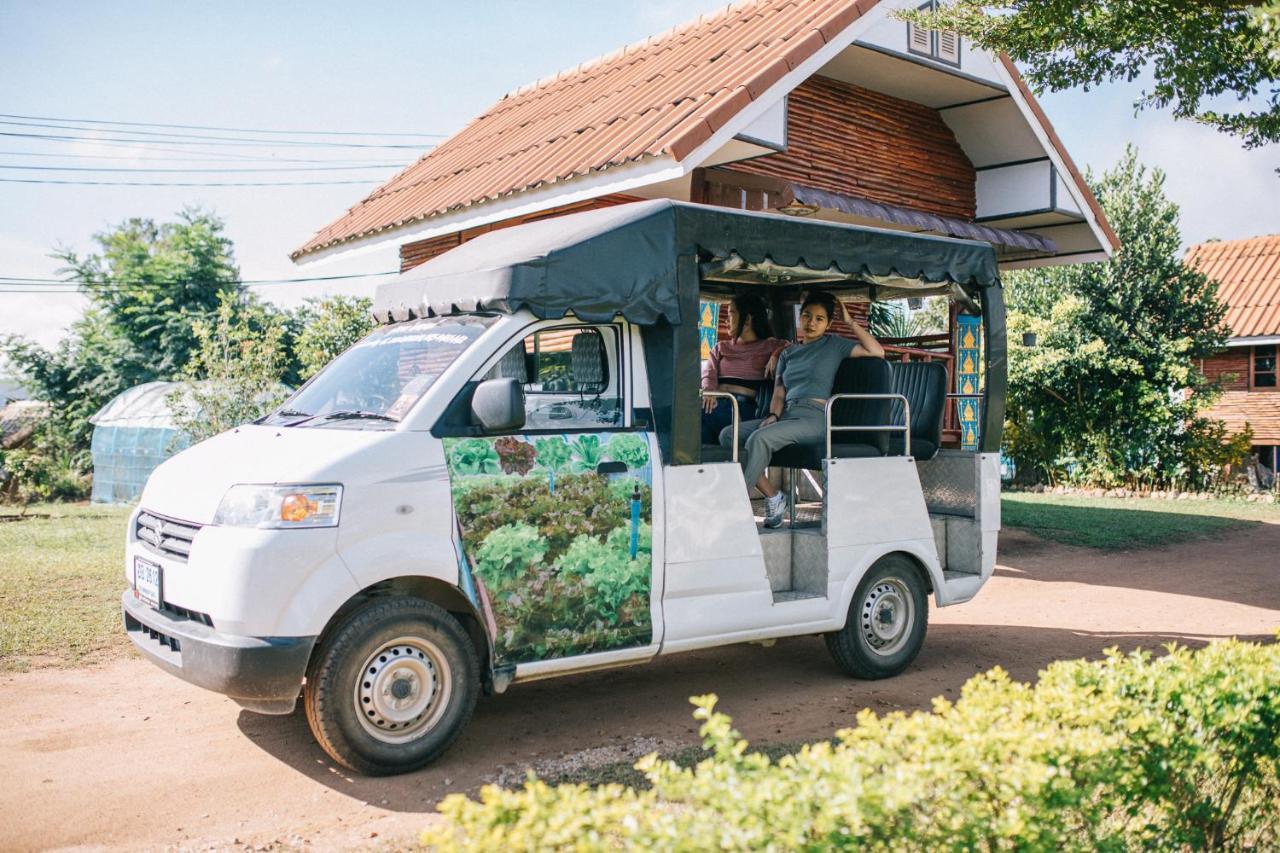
(846, 139)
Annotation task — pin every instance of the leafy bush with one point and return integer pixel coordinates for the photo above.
(327, 327)
(1131, 752)
(48, 468)
(234, 374)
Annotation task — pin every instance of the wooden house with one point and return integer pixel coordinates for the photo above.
(831, 109)
(1248, 276)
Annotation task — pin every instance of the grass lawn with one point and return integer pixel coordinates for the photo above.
(60, 582)
(1120, 523)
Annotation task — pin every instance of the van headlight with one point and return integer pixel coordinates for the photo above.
(280, 507)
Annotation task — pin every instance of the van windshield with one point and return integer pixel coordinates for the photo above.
(377, 381)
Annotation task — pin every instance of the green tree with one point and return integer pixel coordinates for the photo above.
(234, 374)
(153, 283)
(1195, 51)
(326, 327)
(1111, 392)
(79, 375)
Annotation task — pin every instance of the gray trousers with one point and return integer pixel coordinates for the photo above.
(802, 422)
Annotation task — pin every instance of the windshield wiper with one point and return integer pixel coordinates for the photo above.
(356, 414)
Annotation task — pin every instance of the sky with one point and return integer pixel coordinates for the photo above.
(425, 67)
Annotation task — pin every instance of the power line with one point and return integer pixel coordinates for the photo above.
(9, 280)
(224, 129)
(220, 158)
(188, 171)
(138, 145)
(212, 140)
(365, 182)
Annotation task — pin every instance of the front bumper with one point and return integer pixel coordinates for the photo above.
(263, 674)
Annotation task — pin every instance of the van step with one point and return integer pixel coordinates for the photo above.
(949, 575)
(785, 595)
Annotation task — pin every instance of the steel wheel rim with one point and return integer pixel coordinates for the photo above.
(887, 616)
(403, 689)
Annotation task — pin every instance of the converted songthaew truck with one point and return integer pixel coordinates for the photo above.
(505, 481)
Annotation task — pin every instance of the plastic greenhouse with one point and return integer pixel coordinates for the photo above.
(133, 434)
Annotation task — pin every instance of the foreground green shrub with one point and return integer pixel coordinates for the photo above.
(1131, 752)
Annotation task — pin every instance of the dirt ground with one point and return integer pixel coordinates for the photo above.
(123, 756)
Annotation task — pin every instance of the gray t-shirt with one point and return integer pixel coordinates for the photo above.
(809, 370)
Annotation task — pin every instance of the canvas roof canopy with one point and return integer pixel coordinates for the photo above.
(624, 261)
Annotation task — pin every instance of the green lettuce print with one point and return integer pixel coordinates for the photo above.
(587, 453)
(474, 456)
(629, 449)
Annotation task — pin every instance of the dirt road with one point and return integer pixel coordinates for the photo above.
(124, 756)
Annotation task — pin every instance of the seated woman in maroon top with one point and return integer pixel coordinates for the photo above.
(738, 366)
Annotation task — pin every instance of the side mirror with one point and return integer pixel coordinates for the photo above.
(498, 405)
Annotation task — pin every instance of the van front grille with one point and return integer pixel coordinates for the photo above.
(166, 536)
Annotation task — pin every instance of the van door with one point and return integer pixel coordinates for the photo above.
(555, 519)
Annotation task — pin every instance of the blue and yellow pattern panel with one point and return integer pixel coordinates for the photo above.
(708, 324)
(969, 378)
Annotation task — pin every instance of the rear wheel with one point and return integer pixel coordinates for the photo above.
(886, 623)
(392, 687)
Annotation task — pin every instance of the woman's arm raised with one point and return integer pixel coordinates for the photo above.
(867, 345)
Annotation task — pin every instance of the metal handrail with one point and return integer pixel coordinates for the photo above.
(734, 400)
(905, 429)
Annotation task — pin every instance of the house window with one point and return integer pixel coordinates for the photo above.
(942, 46)
(1264, 366)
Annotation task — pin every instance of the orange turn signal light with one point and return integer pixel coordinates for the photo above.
(296, 508)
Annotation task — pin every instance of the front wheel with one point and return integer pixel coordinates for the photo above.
(886, 623)
(392, 687)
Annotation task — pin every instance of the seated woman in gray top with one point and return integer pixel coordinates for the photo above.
(805, 375)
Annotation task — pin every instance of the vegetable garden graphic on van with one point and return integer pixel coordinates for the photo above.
(556, 539)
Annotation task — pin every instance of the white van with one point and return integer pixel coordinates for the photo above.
(505, 481)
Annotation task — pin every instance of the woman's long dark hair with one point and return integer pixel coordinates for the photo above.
(822, 299)
(748, 305)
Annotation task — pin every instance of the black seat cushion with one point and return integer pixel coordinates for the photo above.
(924, 384)
(862, 376)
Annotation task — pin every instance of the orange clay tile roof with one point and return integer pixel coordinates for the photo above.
(665, 95)
(1248, 275)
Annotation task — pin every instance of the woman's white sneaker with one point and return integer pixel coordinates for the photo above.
(773, 510)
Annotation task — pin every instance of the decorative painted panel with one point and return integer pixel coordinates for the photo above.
(968, 377)
(556, 542)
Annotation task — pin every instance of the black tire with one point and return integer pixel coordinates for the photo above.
(870, 647)
(389, 659)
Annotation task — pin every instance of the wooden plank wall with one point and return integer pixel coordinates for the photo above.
(1230, 368)
(846, 139)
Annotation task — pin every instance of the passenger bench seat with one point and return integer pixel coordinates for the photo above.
(855, 376)
(924, 384)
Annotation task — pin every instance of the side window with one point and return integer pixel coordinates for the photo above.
(1264, 366)
(571, 377)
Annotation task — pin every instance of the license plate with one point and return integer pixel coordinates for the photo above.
(146, 582)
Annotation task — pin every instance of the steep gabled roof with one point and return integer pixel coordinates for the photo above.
(662, 96)
(1248, 275)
